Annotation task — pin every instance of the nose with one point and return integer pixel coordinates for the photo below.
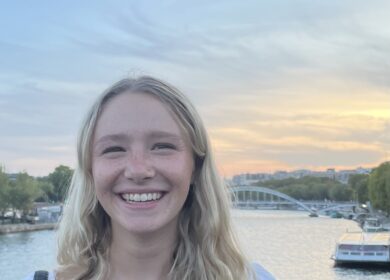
(139, 168)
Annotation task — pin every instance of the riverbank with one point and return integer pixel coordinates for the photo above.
(11, 228)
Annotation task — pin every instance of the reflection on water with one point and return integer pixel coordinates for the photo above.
(289, 244)
(294, 246)
(22, 253)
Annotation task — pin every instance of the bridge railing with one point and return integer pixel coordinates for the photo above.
(244, 196)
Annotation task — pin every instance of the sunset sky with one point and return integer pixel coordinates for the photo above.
(281, 85)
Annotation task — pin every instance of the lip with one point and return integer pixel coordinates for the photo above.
(141, 204)
(140, 191)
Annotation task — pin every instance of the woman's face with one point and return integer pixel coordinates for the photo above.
(142, 164)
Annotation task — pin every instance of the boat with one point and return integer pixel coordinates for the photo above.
(373, 225)
(336, 215)
(363, 248)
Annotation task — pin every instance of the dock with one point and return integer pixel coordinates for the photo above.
(11, 228)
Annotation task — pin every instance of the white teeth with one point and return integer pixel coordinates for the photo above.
(141, 197)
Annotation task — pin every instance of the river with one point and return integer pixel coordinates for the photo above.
(289, 244)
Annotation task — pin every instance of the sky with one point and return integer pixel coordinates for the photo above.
(281, 85)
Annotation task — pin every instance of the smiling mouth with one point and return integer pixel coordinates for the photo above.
(141, 197)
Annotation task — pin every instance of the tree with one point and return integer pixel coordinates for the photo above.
(340, 193)
(311, 188)
(47, 190)
(60, 178)
(359, 184)
(4, 192)
(379, 187)
(297, 191)
(23, 192)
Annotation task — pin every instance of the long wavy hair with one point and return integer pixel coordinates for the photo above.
(207, 247)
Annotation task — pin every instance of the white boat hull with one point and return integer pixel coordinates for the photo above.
(369, 248)
(361, 258)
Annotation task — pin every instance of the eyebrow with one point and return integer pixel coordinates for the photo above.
(158, 134)
(153, 134)
(109, 137)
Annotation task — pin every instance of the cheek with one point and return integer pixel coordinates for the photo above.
(184, 172)
(178, 170)
(99, 186)
(96, 174)
(102, 174)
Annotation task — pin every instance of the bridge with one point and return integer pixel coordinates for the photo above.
(261, 197)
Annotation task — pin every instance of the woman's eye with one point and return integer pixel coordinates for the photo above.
(113, 149)
(163, 146)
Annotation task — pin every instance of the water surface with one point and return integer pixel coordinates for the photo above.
(289, 244)
(294, 246)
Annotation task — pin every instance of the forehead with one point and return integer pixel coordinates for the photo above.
(136, 112)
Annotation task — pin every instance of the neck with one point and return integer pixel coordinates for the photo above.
(145, 256)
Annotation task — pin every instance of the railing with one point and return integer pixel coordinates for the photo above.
(254, 196)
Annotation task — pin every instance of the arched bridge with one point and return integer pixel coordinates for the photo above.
(256, 197)
(250, 196)
(337, 207)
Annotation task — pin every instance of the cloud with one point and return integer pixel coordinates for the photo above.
(302, 140)
(43, 107)
(279, 83)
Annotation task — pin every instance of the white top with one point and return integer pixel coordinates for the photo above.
(260, 272)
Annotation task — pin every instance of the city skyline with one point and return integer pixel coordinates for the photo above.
(281, 85)
(338, 175)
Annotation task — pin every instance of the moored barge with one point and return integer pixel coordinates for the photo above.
(363, 248)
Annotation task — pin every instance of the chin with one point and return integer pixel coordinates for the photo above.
(140, 226)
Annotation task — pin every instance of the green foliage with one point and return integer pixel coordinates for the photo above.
(359, 185)
(311, 188)
(47, 190)
(379, 187)
(4, 192)
(60, 179)
(340, 193)
(23, 192)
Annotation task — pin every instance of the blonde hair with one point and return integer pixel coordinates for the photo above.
(206, 247)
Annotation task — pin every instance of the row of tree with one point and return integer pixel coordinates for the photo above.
(379, 187)
(19, 192)
(311, 188)
(373, 187)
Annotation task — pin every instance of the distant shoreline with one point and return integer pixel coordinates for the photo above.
(12, 228)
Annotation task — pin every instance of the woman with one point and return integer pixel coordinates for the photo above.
(146, 201)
